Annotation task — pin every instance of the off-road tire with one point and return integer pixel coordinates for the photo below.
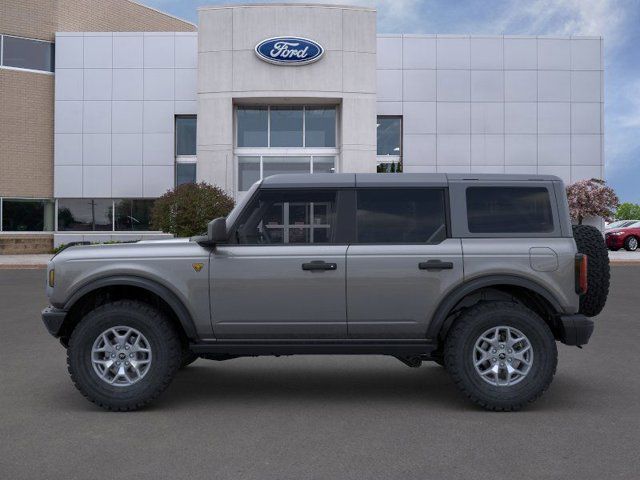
(460, 344)
(627, 244)
(165, 347)
(188, 357)
(590, 242)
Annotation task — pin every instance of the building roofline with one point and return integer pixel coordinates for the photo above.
(164, 13)
(284, 4)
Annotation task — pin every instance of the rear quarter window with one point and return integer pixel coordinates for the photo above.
(509, 210)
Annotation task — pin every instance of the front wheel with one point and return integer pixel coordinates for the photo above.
(501, 355)
(123, 354)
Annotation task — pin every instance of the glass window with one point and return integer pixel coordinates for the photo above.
(185, 173)
(286, 127)
(85, 214)
(133, 214)
(186, 135)
(21, 215)
(401, 215)
(276, 165)
(389, 133)
(253, 126)
(509, 210)
(319, 127)
(289, 217)
(324, 164)
(25, 53)
(248, 172)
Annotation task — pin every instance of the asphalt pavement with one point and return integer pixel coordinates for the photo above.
(319, 417)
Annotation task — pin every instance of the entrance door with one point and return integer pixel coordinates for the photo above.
(401, 262)
(283, 273)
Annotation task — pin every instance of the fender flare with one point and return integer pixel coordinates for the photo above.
(466, 288)
(178, 307)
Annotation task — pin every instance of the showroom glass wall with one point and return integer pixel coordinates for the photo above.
(284, 139)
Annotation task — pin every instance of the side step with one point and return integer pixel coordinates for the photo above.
(404, 348)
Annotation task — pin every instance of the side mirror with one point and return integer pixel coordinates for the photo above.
(217, 230)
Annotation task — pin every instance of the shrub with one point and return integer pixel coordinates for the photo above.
(591, 198)
(186, 210)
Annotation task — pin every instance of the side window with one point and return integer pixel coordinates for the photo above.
(401, 215)
(277, 217)
(509, 210)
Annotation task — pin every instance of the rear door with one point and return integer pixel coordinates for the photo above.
(401, 262)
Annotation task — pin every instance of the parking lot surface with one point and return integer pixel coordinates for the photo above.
(319, 417)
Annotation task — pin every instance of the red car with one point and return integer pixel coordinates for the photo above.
(627, 237)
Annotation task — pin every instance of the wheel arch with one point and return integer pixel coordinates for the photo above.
(128, 286)
(531, 293)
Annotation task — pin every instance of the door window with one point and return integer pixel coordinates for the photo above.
(289, 217)
(389, 215)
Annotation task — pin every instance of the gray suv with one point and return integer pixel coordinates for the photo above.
(479, 273)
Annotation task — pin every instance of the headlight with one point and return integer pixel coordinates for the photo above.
(52, 277)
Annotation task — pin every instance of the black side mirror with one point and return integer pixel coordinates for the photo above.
(217, 230)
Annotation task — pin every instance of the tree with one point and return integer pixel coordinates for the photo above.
(591, 198)
(186, 210)
(628, 211)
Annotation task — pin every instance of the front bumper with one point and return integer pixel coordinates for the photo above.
(53, 319)
(575, 329)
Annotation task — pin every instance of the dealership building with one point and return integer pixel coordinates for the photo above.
(110, 109)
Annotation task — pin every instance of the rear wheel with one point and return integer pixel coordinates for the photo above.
(501, 355)
(590, 242)
(631, 244)
(123, 354)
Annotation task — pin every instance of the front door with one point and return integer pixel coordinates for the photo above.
(401, 262)
(282, 275)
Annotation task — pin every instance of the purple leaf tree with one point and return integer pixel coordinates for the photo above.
(591, 198)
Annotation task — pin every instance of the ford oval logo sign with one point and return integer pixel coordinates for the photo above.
(289, 51)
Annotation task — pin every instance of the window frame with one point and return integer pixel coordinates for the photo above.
(21, 69)
(388, 159)
(182, 159)
(446, 206)
(344, 210)
(458, 199)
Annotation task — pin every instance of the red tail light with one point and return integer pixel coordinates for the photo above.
(582, 283)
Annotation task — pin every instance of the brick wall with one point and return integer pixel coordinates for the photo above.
(26, 116)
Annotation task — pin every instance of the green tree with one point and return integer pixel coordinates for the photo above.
(628, 211)
(186, 210)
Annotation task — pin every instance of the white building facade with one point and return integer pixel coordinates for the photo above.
(128, 106)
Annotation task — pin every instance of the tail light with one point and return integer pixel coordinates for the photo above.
(582, 262)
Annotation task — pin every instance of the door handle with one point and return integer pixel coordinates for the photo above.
(435, 265)
(319, 265)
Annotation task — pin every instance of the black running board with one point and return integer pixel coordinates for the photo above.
(315, 347)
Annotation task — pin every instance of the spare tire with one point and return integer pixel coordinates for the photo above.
(590, 242)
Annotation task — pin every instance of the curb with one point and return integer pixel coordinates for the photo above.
(23, 267)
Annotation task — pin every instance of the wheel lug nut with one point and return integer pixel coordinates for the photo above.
(494, 359)
(113, 355)
(131, 355)
(502, 364)
(126, 347)
(502, 345)
(509, 351)
(118, 363)
(126, 363)
(509, 359)
(493, 350)
(117, 347)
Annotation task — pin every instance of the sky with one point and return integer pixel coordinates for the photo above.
(617, 21)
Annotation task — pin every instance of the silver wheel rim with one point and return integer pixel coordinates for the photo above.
(633, 243)
(502, 356)
(121, 356)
